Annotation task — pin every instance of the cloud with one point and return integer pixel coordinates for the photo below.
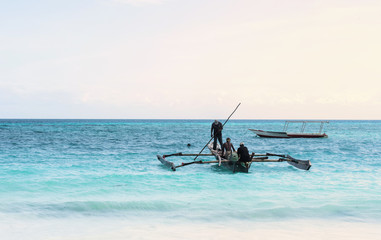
(168, 64)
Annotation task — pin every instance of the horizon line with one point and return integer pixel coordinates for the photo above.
(273, 119)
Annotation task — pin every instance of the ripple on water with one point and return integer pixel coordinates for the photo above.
(109, 167)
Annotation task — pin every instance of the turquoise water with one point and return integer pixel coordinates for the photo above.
(58, 170)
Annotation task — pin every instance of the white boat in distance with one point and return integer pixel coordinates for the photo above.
(285, 134)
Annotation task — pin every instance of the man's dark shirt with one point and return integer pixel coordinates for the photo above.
(243, 154)
(216, 128)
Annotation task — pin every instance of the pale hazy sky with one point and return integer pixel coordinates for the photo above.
(294, 59)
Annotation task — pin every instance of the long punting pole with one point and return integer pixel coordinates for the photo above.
(213, 136)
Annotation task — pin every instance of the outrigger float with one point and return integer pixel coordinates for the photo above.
(233, 164)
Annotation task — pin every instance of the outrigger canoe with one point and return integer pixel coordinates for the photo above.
(232, 164)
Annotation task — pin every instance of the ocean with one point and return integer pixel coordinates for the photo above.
(100, 179)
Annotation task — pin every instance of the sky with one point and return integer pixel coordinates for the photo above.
(195, 59)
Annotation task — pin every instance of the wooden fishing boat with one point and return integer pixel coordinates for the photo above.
(232, 163)
(300, 134)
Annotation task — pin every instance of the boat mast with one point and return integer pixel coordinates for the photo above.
(304, 124)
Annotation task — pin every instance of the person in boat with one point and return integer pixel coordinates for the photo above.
(216, 132)
(227, 149)
(243, 154)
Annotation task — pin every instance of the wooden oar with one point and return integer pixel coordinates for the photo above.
(213, 136)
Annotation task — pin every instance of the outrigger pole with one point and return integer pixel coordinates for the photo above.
(213, 135)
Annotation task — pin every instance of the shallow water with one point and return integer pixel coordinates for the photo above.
(60, 170)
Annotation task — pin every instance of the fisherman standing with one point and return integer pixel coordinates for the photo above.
(216, 132)
(228, 146)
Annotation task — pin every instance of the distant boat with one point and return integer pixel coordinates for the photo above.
(301, 134)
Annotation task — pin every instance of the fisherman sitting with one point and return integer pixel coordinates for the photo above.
(228, 146)
(243, 154)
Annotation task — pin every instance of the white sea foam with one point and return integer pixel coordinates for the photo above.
(101, 229)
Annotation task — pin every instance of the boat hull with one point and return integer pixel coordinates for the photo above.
(234, 166)
(307, 135)
(271, 134)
